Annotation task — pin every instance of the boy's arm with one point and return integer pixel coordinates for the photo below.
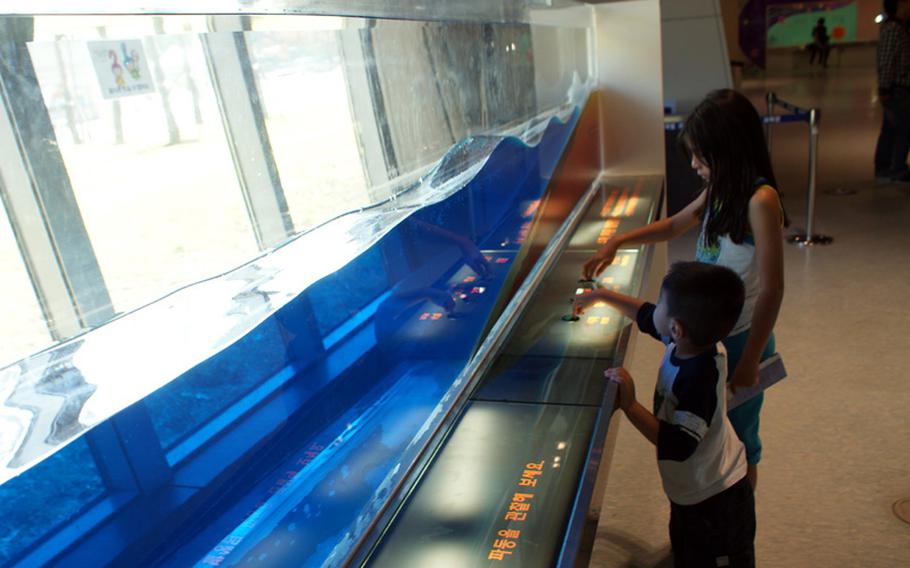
(644, 421)
(639, 311)
(638, 415)
(626, 305)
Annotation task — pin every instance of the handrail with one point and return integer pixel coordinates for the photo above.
(469, 377)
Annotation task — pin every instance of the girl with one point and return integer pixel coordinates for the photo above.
(741, 218)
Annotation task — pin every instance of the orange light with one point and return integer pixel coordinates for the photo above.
(621, 204)
(608, 204)
(630, 210)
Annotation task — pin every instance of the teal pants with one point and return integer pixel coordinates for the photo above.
(745, 417)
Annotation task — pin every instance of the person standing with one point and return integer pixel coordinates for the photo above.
(893, 67)
(742, 219)
(820, 43)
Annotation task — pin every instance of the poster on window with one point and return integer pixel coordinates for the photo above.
(791, 25)
(121, 67)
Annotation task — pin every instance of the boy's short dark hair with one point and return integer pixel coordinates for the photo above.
(705, 298)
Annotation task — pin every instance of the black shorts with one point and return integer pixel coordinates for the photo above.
(719, 531)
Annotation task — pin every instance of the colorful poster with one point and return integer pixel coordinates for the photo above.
(121, 68)
(790, 25)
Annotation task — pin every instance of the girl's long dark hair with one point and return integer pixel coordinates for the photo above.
(725, 132)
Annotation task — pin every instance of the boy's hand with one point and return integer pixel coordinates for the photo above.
(584, 301)
(626, 386)
(600, 261)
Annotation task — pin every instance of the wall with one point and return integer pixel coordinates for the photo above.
(628, 48)
(695, 58)
(866, 28)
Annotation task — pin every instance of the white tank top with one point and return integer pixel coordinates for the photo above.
(741, 259)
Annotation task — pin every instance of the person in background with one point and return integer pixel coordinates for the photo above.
(893, 67)
(820, 43)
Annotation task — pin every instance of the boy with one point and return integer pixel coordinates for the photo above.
(702, 463)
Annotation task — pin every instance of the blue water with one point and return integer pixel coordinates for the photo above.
(284, 445)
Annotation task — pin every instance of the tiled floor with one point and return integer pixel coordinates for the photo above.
(837, 432)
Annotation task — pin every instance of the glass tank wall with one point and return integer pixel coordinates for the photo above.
(257, 252)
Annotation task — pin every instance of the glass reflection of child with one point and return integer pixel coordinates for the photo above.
(702, 463)
(741, 219)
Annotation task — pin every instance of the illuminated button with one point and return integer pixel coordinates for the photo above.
(633, 202)
(621, 204)
(604, 320)
(608, 204)
(592, 320)
(469, 279)
(502, 260)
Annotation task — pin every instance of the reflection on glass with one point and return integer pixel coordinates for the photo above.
(295, 389)
(21, 310)
(302, 81)
(57, 490)
(151, 172)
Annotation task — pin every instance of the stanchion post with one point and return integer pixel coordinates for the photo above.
(810, 238)
(813, 171)
(769, 99)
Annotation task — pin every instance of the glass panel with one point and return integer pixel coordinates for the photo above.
(24, 331)
(336, 351)
(152, 172)
(35, 503)
(301, 79)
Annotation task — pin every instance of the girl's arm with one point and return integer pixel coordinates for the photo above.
(655, 232)
(765, 220)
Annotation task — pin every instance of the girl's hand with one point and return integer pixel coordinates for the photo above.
(601, 260)
(744, 376)
(626, 386)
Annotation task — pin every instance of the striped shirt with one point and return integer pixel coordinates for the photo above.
(698, 452)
